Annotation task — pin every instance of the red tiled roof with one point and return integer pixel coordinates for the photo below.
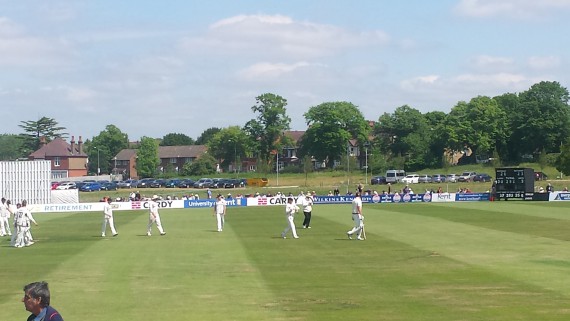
(57, 148)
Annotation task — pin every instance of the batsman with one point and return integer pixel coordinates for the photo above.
(357, 218)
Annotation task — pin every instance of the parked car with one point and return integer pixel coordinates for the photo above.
(482, 178)
(231, 183)
(377, 180)
(452, 178)
(90, 187)
(395, 175)
(242, 182)
(109, 186)
(203, 183)
(217, 183)
(129, 183)
(411, 179)
(466, 176)
(540, 176)
(424, 179)
(66, 185)
(186, 183)
(171, 183)
(145, 182)
(157, 183)
(438, 178)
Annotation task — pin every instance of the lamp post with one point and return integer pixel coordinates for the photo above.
(366, 145)
(277, 166)
(347, 168)
(235, 155)
(98, 168)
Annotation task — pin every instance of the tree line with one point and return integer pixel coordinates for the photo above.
(508, 129)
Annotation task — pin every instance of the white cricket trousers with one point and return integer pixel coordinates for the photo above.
(358, 224)
(152, 220)
(5, 226)
(221, 221)
(108, 220)
(290, 226)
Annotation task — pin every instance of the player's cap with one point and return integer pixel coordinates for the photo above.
(155, 197)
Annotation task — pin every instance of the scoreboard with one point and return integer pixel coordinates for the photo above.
(514, 183)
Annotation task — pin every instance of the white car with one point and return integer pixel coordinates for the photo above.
(66, 185)
(452, 178)
(411, 179)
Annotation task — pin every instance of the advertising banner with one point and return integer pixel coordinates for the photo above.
(471, 197)
(559, 196)
(210, 203)
(442, 197)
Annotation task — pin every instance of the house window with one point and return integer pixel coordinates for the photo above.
(57, 161)
(252, 168)
(188, 160)
(173, 160)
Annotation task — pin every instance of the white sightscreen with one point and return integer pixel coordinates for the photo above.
(26, 180)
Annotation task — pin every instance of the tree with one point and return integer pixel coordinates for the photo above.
(480, 125)
(229, 145)
(147, 157)
(176, 139)
(331, 126)
(205, 165)
(563, 161)
(43, 127)
(207, 135)
(267, 130)
(104, 147)
(543, 119)
(405, 135)
(11, 147)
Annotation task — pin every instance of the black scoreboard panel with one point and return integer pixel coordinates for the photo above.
(514, 183)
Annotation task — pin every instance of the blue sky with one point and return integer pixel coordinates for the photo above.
(158, 67)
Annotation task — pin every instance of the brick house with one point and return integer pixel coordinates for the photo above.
(67, 159)
(172, 158)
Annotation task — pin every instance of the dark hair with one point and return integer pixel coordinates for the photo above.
(290, 199)
(24, 203)
(38, 290)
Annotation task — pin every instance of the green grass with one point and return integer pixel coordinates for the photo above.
(461, 261)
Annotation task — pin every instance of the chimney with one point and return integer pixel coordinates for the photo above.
(42, 141)
(72, 145)
(80, 145)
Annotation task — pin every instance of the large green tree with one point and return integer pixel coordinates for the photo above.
(542, 120)
(207, 135)
(229, 145)
(103, 148)
(147, 157)
(405, 134)
(331, 126)
(11, 147)
(479, 124)
(266, 131)
(34, 129)
(205, 165)
(176, 139)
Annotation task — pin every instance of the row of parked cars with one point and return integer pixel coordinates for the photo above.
(437, 178)
(183, 183)
(86, 186)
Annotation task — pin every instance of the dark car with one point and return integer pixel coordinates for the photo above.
(145, 182)
(171, 183)
(376, 180)
(157, 183)
(217, 183)
(231, 183)
(90, 187)
(109, 186)
(540, 176)
(186, 183)
(203, 183)
(242, 182)
(482, 178)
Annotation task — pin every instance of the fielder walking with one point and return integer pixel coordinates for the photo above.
(154, 216)
(108, 218)
(357, 218)
(5, 218)
(290, 209)
(220, 211)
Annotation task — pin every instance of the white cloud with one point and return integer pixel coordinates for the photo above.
(270, 70)
(419, 83)
(512, 8)
(544, 63)
(280, 36)
(492, 62)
